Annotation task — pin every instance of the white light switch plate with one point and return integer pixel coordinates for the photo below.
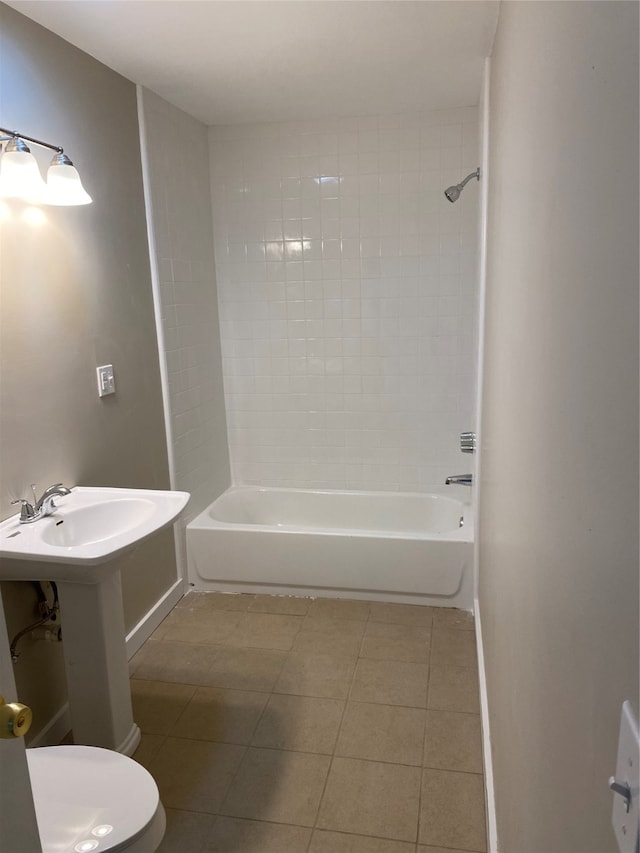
(626, 824)
(106, 380)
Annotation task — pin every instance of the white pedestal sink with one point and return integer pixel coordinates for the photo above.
(75, 547)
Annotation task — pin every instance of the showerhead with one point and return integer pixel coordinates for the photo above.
(453, 193)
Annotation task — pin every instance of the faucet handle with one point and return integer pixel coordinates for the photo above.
(27, 512)
(468, 442)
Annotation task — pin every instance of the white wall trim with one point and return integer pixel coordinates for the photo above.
(487, 757)
(148, 624)
(54, 730)
(483, 123)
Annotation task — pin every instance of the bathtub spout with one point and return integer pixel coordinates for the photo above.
(459, 480)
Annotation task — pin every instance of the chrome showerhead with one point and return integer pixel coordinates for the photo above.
(453, 193)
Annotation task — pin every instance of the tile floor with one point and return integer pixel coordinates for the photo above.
(293, 725)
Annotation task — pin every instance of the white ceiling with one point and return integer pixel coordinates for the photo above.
(233, 61)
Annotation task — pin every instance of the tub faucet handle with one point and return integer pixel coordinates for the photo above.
(468, 442)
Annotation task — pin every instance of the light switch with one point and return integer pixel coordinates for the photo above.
(106, 380)
(626, 783)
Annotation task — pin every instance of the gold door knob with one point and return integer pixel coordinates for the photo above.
(15, 719)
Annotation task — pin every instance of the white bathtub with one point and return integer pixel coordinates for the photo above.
(403, 547)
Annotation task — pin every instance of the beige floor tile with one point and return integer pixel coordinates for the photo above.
(162, 628)
(299, 723)
(403, 614)
(266, 631)
(232, 835)
(452, 813)
(340, 608)
(454, 688)
(186, 663)
(390, 641)
(158, 704)
(382, 733)
(335, 625)
(449, 617)
(244, 669)
(422, 848)
(194, 775)
(390, 683)
(326, 643)
(147, 749)
(201, 625)
(216, 601)
(453, 741)
(324, 676)
(324, 841)
(278, 786)
(226, 716)
(371, 798)
(286, 604)
(452, 647)
(187, 831)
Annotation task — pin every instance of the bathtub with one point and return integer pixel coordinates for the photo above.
(386, 546)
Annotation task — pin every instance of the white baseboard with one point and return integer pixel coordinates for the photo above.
(492, 827)
(150, 621)
(52, 733)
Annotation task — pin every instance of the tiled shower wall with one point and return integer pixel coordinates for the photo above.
(176, 151)
(347, 297)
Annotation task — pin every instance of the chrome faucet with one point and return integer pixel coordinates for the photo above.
(459, 480)
(42, 506)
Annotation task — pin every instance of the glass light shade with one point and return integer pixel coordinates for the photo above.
(20, 177)
(64, 186)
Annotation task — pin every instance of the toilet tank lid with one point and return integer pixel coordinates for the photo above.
(85, 794)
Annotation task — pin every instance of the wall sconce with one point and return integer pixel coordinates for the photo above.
(20, 175)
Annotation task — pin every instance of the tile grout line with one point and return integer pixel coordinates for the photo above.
(344, 711)
(234, 775)
(323, 754)
(424, 735)
(248, 746)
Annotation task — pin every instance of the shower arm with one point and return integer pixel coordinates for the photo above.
(466, 180)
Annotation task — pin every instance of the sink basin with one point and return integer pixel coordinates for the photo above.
(89, 527)
(98, 522)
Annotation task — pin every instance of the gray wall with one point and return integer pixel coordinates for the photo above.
(559, 488)
(75, 293)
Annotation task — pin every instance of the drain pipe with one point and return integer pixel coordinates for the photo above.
(49, 614)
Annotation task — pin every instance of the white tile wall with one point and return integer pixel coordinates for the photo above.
(177, 151)
(346, 287)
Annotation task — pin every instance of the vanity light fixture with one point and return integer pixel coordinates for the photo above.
(20, 175)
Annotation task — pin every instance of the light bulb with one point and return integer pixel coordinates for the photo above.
(19, 173)
(64, 186)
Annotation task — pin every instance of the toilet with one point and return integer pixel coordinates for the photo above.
(92, 799)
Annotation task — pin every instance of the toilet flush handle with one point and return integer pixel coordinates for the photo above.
(15, 719)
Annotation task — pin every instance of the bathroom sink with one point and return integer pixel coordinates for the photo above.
(75, 546)
(89, 527)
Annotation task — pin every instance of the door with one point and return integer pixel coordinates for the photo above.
(18, 826)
